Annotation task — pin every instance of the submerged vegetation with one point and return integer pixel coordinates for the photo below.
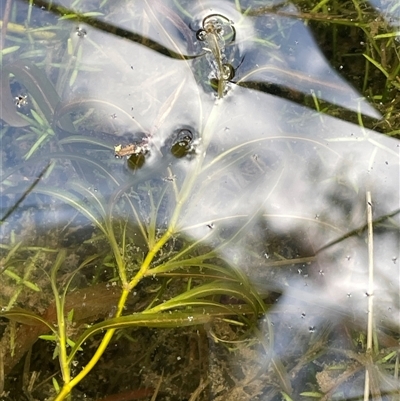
(188, 211)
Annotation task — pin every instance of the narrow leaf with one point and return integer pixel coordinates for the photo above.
(26, 317)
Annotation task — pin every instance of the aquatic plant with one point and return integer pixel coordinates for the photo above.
(205, 225)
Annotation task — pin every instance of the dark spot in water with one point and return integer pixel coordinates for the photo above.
(136, 161)
(182, 142)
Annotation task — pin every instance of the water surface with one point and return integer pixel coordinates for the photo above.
(249, 151)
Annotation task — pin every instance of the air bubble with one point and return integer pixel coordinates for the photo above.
(112, 312)
(201, 35)
(81, 32)
(228, 72)
(220, 26)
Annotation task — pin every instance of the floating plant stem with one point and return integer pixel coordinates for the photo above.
(215, 31)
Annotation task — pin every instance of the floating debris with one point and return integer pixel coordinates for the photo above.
(140, 148)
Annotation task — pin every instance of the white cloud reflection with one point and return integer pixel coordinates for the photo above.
(278, 181)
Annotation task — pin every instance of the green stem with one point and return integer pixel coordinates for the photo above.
(149, 258)
(96, 357)
(117, 254)
(127, 288)
(62, 331)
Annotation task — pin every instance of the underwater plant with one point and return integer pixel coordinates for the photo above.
(176, 166)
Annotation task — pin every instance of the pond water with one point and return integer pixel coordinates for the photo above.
(203, 197)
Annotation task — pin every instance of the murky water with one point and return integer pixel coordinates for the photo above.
(159, 147)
